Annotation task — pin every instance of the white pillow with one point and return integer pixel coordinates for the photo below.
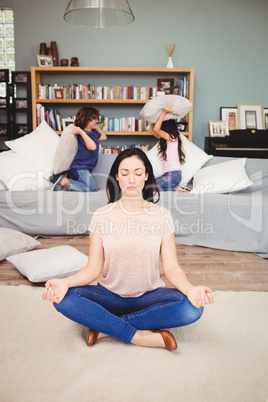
(55, 262)
(17, 174)
(180, 106)
(38, 147)
(13, 242)
(66, 150)
(155, 160)
(195, 158)
(225, 177)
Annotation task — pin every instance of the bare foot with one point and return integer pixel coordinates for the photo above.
(101, 336)
(148, 338)
(65, 182)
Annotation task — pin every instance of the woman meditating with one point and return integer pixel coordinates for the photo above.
(127, 238)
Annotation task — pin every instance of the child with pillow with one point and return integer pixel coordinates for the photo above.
(86, 158)
(170, 150)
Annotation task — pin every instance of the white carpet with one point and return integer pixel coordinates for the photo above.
(223, 357)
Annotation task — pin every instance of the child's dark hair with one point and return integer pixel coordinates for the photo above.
(84, 115)
(150, 189)
(171, 127)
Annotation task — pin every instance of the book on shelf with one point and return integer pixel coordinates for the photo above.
(50, 115)
(79, 91)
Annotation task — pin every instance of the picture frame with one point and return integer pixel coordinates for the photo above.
(22, 129)
(66, 121)
(265, 118)
(21, 103)
(165, 85)
(182, 125)
(20, 78)
(58, 93)
(4, 75)
(250, 116)
(218, 128)
(3, 103)
(229, 114)
(3, 129)
(44, 60)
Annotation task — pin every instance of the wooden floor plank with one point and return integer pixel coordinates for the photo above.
(219, 269)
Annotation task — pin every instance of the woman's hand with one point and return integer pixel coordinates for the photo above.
(199, 296)
(55, 290)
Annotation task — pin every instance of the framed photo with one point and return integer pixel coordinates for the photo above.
(229, 114)
(218, 128)
(22, 129)
(21, 103)
(4, 76)
(3, 103)
(182, 125)
(66, 122)
(265, 118)
(250, 116)
(58, 93)
(165, 85)
(20, 78)
(3, 129)
(44, 60)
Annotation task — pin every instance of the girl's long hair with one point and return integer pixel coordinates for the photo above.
(170, 127)
(150, 189)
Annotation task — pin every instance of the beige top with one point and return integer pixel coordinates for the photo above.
(131, 242)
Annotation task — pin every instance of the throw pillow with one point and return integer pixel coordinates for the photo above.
(17, 174)
(55, 262)
(195, 158)
(38, 147)
(225, 177)
(180, 106)
(66, 150)
(13, 242)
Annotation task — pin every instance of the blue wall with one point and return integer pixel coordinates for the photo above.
(225, 41)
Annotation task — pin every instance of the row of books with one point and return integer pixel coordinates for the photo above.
(89, 91)
(118, 148)
(124, 124)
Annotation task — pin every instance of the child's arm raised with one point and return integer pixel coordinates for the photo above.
(156, 129)
(103, 136)
(90, 144)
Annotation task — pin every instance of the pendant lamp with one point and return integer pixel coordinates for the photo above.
(99, 13)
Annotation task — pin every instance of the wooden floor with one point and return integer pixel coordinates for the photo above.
(219, 269)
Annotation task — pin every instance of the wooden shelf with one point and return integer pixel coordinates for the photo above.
(131, 72)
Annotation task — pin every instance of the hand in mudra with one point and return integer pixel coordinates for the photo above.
(199, 296)
(55, 290)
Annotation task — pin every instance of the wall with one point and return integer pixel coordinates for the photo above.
(224, 40)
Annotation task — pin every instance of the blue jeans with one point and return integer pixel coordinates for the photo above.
(169, 180)
(97, 308)
(84, 182)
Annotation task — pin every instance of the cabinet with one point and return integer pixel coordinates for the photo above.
(5, 107)
(21, 103)
(107, 76)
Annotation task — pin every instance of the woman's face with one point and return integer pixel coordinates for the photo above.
(131, 176)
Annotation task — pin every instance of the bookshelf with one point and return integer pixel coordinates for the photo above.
(21, 103)
(107, 76)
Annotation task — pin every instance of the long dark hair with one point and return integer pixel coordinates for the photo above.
(171, 127)
(150, 189)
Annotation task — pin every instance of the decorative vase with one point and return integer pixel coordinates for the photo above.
(43, 49)
(55, 55)
(170, 63)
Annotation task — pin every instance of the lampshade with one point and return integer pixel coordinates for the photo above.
(99, 13)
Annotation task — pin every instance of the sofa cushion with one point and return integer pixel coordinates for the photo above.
(66, 150)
